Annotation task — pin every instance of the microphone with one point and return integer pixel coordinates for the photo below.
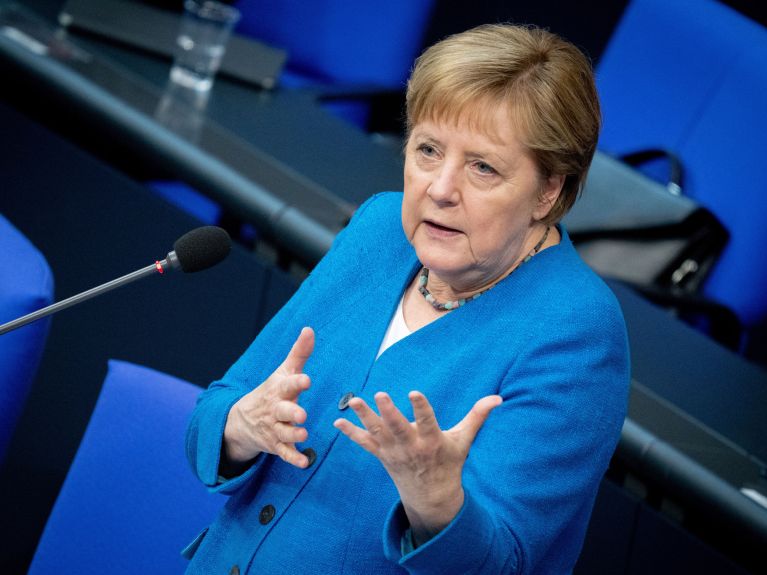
(195, 251)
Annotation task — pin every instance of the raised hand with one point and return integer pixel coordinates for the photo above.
(425, 462)
(268, 419)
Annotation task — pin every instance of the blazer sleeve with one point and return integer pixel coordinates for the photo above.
(205, 431)
(535, 467)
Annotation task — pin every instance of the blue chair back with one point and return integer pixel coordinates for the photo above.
(690, 78)
(26, 285)
(339, 42)
(130, 502)
(363, 44)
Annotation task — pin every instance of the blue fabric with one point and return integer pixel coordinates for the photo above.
(129, 502)
(337, 43)
(26, 285)
(334, 44)
(550, 339)
(662, 64)
(188, 199)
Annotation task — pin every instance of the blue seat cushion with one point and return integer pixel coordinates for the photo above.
(130, 502)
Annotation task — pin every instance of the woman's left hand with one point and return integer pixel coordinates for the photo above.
(425, 462)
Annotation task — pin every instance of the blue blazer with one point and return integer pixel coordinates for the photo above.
(550, 339)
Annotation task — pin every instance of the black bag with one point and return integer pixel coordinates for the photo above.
(629, 227)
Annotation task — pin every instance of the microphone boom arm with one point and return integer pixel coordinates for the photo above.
(171, 262)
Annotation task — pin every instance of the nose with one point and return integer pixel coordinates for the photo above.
(445, 186)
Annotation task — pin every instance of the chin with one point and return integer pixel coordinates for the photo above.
(437, 254)
(440, 263)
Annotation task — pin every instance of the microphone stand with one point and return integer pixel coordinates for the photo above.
(170, 262)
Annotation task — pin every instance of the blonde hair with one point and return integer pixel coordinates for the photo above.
(546, 83)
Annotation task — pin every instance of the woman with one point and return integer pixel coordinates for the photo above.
(481, 426)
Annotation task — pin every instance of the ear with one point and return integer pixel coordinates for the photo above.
(550, 189)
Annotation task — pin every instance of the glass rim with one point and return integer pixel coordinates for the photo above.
(212, 10)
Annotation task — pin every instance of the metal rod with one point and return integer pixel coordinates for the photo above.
(75, 299)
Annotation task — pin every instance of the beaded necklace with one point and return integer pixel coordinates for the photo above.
(423, 279)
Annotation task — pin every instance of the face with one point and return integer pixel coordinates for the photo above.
(472, 200)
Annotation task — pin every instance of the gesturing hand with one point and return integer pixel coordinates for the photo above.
(424, 461)
(268, 418)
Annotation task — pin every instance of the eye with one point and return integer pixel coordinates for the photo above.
(427, 150)
(484, 168)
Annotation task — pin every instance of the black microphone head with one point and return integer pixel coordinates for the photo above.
(202, 248)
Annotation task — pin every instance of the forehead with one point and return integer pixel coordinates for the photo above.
(482, 126)
(490, 116)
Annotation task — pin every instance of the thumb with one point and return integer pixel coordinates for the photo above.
(300, 352)
(470, 425)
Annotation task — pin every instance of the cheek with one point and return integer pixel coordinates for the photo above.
(495, 228)
(410, 179)
(410, 202)
(408, 214)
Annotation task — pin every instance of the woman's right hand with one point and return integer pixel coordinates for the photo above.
(268, 418)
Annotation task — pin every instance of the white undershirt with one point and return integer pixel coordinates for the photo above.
(397, 329)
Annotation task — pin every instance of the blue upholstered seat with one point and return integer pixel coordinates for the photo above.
(130, 501)
(691, 78)
(341, 45)
(26, 285)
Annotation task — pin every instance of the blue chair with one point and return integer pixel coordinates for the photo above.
(689, 79)
(130, 502)
(341, 46)
(26, 285)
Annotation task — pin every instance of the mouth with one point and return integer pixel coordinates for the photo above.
(440, 229)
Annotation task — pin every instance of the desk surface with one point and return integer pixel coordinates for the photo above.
(276, 157)
(675, 368)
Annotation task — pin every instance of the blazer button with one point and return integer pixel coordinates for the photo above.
(234, 570)
(311, 455)
(344, 402)
(267, 514)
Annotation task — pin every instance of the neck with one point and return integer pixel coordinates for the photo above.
(443, 290)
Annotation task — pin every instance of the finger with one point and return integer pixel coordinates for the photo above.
(300, 352)
(290, 433)
(396, 423)
(292, 386)
(358, 435)
(367, 416)
(423, 413)
(289, 454)
(289, 412)
(469, 426)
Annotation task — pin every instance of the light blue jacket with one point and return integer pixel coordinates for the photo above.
(549, 338)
